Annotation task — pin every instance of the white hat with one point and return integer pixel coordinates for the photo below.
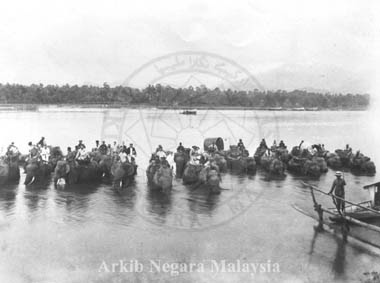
(338, 173)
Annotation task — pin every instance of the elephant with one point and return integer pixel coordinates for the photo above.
(220, 161)
(345, 157)
(37, 171)
(9, 169)
(296, 164)
(160, 176)
(362, 164)
(210, 176)
(75, 173)
(273, 165)
(321, 163)
(311, 168)
(242, 164)
(55, 155)
(368, 168)
(191, 173)
(260, 151)
(282, 154)
(180, 159)
(105, 164)
(122, 173)
(333, 161)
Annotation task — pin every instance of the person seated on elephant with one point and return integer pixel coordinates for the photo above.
(212, 148)
(82, 156)
(348, 149)
(203, 159)
(114, 147)
(41, 142)
(103, 148)
(33, 151)
(317, 147)
(96, 144)
(70, 157)
(164, 162)
(109, 149)
(131, 151)
(180, 147)
(274, 146)
(160, 152)
(80, 144)
(12, 150)
(241, 145)
(282, 144)
(45, 154)
(194, 155)
(123, 156)
(263, 144)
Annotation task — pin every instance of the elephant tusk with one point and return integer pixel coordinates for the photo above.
(31, 181)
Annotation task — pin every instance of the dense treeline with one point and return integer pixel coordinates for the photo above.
(158, 95)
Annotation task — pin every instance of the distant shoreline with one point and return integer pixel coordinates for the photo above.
(36, 107)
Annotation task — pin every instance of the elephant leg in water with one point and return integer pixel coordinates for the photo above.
(180, 166)
(122, 175)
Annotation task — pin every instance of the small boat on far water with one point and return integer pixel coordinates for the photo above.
(189, 112)
(298, 109)
(311, 108)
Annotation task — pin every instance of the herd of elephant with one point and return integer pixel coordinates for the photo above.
(100, 167)
(302, 161)
(66, 170)
(275, 161)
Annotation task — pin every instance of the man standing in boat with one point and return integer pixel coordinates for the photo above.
(338, 189)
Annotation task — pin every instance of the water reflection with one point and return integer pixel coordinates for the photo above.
(36, 196)
(75, 199)
(339, 263)
(8, 198)
(159, 204)
(201, 199)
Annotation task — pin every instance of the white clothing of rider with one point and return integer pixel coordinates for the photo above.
(81, 155)
(123, 157)
(161, 154)
(45, 153)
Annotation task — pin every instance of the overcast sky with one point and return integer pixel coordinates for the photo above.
(327, 45)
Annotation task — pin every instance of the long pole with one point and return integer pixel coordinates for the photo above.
(354, 204)
(358, 222)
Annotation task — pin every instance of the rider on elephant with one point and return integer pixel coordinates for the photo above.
(82, 156)
(12, 150)
(45, 154)
(180, 147)
(103, 149)
(131, 151)
(282, 144)
(241, 145)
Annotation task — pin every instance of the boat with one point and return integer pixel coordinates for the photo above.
(366, 210)
(311, 108)
(359, 224)
(189, 112)
(298, 109)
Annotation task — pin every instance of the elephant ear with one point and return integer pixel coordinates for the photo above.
(67, 168)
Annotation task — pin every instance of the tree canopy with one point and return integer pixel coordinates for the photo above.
(166, 96)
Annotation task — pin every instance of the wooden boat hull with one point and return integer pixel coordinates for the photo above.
(357, 235)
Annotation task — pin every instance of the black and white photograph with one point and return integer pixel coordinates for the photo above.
(189, 141)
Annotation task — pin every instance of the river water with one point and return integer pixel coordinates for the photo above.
(55, 235)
